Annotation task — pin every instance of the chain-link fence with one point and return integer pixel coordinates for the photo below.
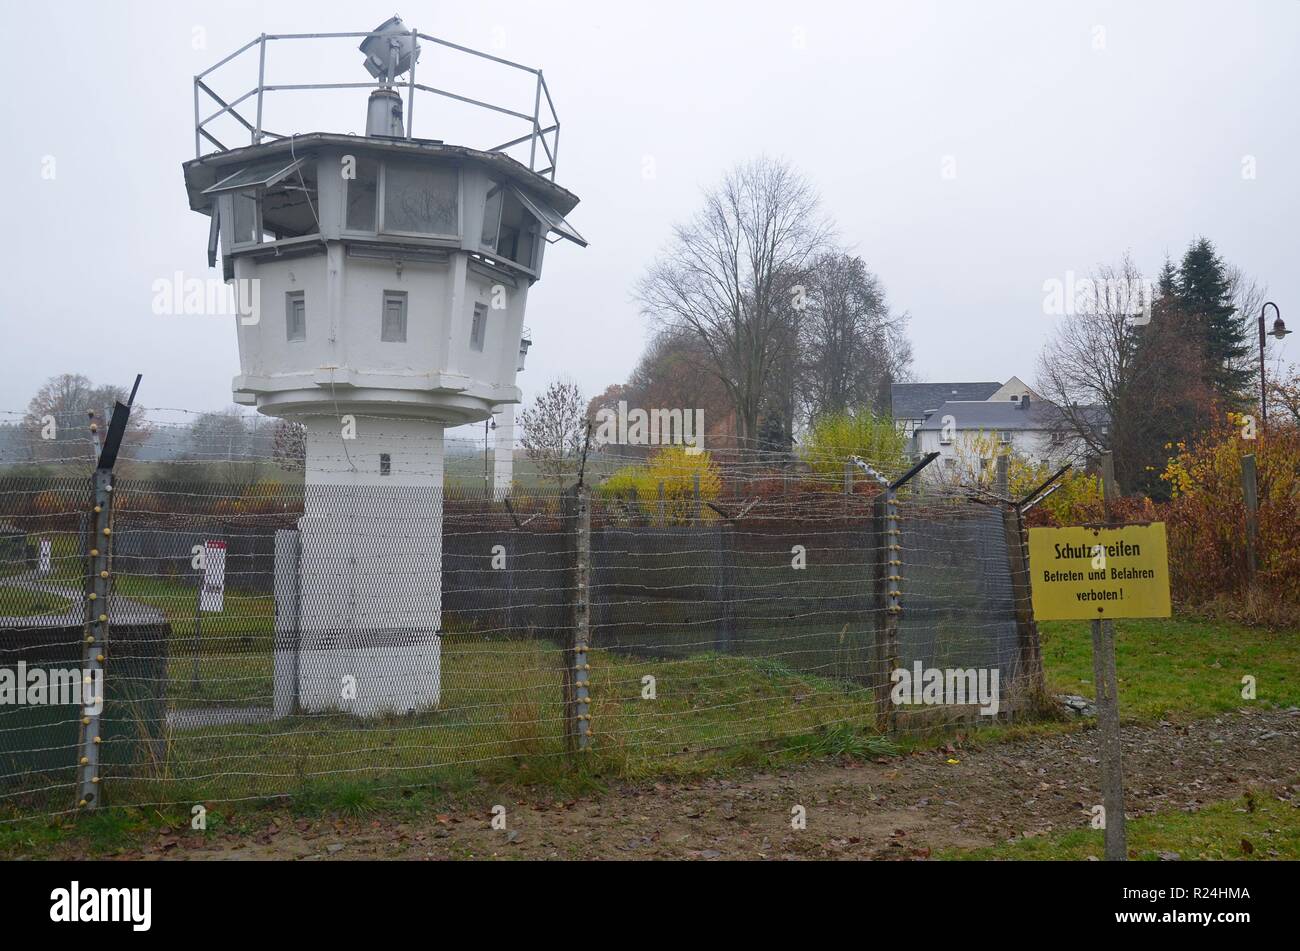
(269, 640)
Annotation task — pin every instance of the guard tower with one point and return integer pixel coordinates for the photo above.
(389, 276)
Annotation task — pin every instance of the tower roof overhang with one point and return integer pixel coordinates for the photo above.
(202, 173)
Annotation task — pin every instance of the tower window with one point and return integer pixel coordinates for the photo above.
(421, 199)
(393, 329)
(518, 232)
(385, 464)
(246, 226)
(363, 192)
(295, 317)
(478, 331)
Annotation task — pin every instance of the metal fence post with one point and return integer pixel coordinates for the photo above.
(724, 581)
(577, 669)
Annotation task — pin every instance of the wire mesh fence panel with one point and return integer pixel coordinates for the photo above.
(346, 655)
(715, 632)
(42, 615)
(959, 609)
(272, 640)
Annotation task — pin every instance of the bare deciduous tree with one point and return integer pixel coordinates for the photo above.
(852, 347)
(57, 423)
(553, 428)
(726, 276)
(1120, 382)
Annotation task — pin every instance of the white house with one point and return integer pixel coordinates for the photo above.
(970, 422)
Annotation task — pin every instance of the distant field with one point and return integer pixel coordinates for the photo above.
(460, 471)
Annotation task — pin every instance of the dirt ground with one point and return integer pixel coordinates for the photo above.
(896, 808)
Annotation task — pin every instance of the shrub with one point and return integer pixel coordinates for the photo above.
(835, 437)
(674, 468)
(1206, 515)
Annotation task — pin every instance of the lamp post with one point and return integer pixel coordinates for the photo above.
(1279, 331)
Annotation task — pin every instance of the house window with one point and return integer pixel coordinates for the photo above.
(363, 196)
(478, 330)
(295, 316)
(421, 199)
(949, 463)
(1058, 439)
(393, 328)
(1004, 438)
(385, 464)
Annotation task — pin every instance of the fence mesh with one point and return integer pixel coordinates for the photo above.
(406, 636)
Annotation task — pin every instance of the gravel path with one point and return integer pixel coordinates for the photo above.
(897, 807)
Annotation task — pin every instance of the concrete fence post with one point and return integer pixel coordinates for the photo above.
(1031, 684)
(577, 666)
(90, 792)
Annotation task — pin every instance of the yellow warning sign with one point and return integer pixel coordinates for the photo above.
(1088, 573)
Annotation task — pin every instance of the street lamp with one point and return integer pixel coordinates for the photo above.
(1279, 331)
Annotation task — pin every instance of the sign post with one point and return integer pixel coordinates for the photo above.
(1100, 573)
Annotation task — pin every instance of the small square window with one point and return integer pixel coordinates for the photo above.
(393, 329)
(295, 317)
(478, 332)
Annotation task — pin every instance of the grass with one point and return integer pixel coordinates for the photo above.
(502, 716)
(22, 602)
(1259, 825)
(500, 725)
(1178, 668)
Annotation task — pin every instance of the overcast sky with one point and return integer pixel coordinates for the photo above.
(1076, 130)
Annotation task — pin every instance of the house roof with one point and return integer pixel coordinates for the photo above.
(1003, 415)
(911, 400)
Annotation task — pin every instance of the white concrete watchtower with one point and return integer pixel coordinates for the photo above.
(385, 279)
